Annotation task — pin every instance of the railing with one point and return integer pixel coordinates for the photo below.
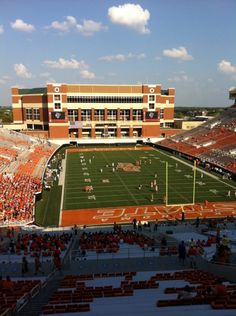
(123, 253)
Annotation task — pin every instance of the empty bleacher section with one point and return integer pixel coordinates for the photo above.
(214, 142)
(139, 293)
(118, 284)
(15, 293)
(22, 163)
(107, 290)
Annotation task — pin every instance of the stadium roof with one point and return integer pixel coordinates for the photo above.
(33, 91)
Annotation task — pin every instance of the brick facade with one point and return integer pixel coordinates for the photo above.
(95, 111)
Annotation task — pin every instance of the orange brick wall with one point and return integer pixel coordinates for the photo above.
(14, 90)
(50, 98)
(58, 131)
(64, 98)
(43, 114)
(171, 91)
(151, 131)
(32, 99)
(17, 114)
(163, 99)
(15, 99)
(169, 114)
(146, 89)
(145, 98)
(170, 131)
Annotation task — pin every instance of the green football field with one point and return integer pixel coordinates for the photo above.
(116, 187)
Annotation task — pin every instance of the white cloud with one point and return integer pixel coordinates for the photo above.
(1, 29)
(87, 74)
(180, 53)
(50, 80)
(2, 81)
(20, 25)
(226, 67)
(64, 26)
(88, 27)
(130, 15)
(122, 57)
(22, 71)
(65, 64)
(181, 77)
(117, 57)
(73, 64)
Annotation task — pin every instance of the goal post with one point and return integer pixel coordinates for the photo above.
(166, 198)
(194, 181)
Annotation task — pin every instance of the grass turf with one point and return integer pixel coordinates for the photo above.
(123, 187)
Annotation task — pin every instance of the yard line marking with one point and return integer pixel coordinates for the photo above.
(170, 186)
(127, 189)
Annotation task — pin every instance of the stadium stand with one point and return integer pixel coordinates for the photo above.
(214, 142)
(109, 242)
(141, 282)
(22, 163)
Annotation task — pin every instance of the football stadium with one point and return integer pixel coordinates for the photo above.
(117, 158)
(102, 224)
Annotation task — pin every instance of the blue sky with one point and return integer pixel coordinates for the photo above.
(186, 44)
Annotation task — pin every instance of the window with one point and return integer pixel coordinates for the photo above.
(169, 125)
(151, 97)
(36, 114)
(99, 115)
(57, 106)
(164, 92)
(161, 113)
(124, 115)
(57, 97)
(111, 115)
(71, 99)
(86, 115)
(137, 115)
(151, 106)
(29, 114)
(73, 115)
(103, 99)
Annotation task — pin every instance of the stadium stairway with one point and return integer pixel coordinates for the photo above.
(35, 304)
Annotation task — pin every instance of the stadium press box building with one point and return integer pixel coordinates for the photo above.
(95, 111)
